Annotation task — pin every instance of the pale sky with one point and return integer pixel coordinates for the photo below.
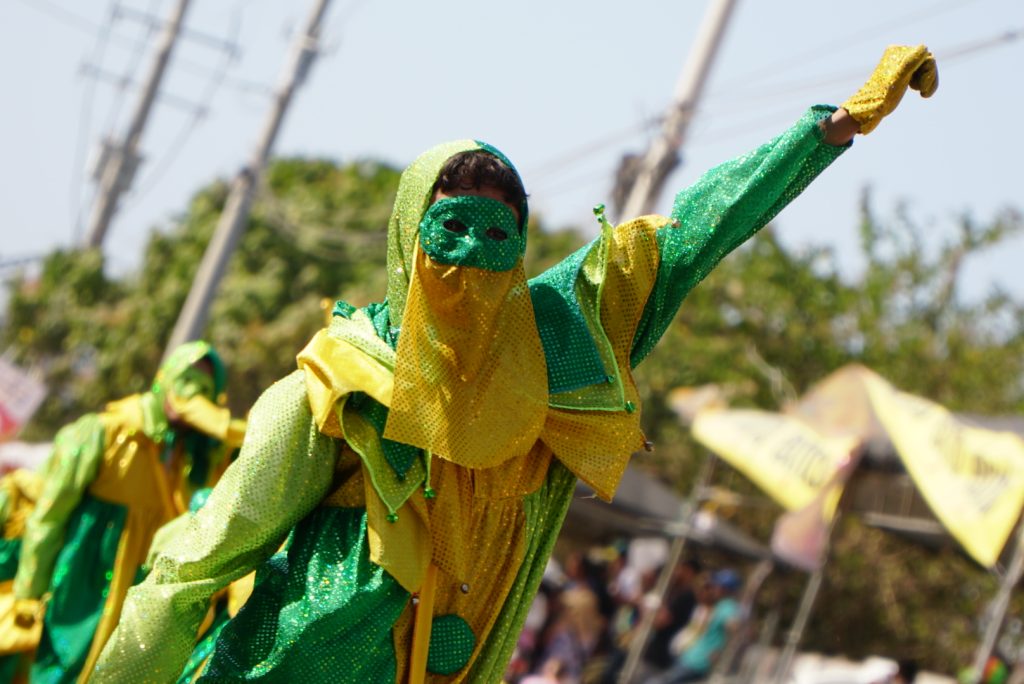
(563, 88)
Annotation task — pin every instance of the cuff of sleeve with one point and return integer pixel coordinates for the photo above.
(816, 115)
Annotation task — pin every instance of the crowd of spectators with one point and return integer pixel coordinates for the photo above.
(587, 614)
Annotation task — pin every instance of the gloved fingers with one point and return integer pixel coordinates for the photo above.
(925, 78)
(903, 58)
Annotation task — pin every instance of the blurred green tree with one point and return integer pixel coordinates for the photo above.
(317, 230)
(771, 321)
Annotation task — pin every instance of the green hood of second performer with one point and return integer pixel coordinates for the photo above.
(178, 376)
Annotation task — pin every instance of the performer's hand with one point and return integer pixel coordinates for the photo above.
(902, 66)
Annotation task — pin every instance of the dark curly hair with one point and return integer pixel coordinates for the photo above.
(476, 169)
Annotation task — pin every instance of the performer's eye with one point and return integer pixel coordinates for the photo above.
(455, 225)
(496, 233)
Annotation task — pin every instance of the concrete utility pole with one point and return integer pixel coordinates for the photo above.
(192, 318)
(640, 185)
(121, 160)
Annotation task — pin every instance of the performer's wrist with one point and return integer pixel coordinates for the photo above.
(839, 128)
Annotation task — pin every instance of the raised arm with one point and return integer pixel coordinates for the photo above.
(733, 201)
(284, 470)
(725, 207)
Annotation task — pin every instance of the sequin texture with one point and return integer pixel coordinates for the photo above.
(479, 509)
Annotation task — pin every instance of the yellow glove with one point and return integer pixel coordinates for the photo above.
(27, 612)
(901, 66)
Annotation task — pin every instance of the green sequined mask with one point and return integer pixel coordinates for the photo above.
(474, 231)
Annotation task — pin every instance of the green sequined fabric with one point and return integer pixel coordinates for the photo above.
(81, 578)
(723, 209)
(71, 467)
(572, 356)
(10, 552)
(322, 613)
(401, 457)
(473, 231)
(204, 648)
(285, 469)
(451, 644)
(176, 373)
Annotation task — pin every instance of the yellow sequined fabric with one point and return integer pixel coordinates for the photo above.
(18, 636)
(131, 475)
(477, 525)
(901, 67)
(335, 368)
(411, 202)
(470, 378)
(596, 445)
(20, 489)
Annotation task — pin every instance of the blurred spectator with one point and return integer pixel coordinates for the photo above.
(906, 672)
(673, 614)
(576, 637)
(552, 672)
(590, 570)
(699, 620)
(696, 661)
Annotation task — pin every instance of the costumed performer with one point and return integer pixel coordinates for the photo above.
(19, 490)
(112, 479)
(421, 460)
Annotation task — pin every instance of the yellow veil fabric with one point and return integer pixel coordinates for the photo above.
(470, 376)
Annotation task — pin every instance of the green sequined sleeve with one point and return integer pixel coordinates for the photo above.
(285, 468)
(71, 467)
(723, 209)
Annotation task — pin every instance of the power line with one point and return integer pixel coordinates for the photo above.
(15, 262)
(199, 115)
(198, 37)
(858, 36)
(122, 158)
(761, 120)
(61, 14)
(127, 79)
(84, 129)
(192, 317)
(945, 57)
(593, 147)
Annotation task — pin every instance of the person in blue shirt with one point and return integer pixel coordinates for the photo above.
(695, 663)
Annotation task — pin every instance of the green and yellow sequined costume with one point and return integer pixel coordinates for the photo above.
(112, 479)
(389, 470)
(19, 490)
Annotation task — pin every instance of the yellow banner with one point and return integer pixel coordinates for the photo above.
(972, 478)
(780, 454)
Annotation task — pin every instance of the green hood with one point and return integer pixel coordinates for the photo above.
(411, 203)
(176, 375)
